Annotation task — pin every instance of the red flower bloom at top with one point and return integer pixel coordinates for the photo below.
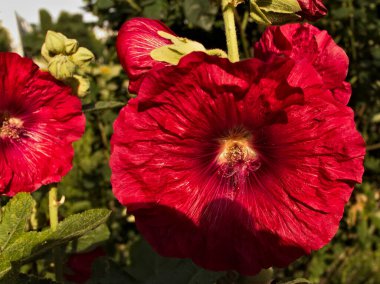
(39, 119)
(312, 9)
(303, 42)
(235, 165)
(136, 39)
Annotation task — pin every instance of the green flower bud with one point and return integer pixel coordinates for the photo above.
(61, 67)
(82, 56)
(83, 86)
(45, 53)
(55, 42)
(71, 46)
(80, 85)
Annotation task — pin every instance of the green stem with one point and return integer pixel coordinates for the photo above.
(53, 215)
(243, 35)
(134, 5)
(230, 29)
(53, 208)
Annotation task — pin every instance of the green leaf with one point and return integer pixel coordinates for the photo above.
(102, 106)
(14, 219)
(77, 225)
(299, 281)
(32, 244)
(89, 240)
(342, 13)
(5, 269)
(155, 9)
(104, 4)
(270, 12)
(28, 279)
(200, 13)
(150, 268)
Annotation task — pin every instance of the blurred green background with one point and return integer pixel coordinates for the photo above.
(354, 254)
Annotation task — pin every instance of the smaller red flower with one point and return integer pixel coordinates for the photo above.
(80, 265)
(135, 41)
(312, 9)
(304, 42)
(39, 120)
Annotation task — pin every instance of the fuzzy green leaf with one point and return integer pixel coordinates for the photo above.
(30, 245)
(5, 269)
(89, 240)
(270, 12)
(14, 219)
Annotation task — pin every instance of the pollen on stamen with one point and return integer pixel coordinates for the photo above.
(11, 127)
(237, 158)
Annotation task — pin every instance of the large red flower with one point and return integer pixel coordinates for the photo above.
(303, 42)
(236, 165)
(312, 9)
(39, 120)
(135, 41)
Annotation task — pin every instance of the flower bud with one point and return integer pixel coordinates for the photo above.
(83, 86)
(45, 53)
(55, 42)
(82, 56)
(61, 67)
(71, 46)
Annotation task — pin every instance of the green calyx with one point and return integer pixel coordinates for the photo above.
(61, 67)
(180, 47)
(65, 59)
(273, 12)
(57, 43)
(79, 84)
(82, 56)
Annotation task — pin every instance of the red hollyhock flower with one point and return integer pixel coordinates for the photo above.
(237, 166)
(312, 9)
(303, 42)
(39, 120)
(80, 265)
(136, 39)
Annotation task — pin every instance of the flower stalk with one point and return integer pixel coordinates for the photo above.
(53, 216)
(228, 7)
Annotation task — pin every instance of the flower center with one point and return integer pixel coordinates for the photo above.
(10, 127)
(234, 152)
(237, 157)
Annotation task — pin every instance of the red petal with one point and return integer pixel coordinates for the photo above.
(136, 39)
(312, 9)
(303, 42)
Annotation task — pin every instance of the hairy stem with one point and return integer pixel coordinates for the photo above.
(230, 29)
(243, 35)
(53, 215)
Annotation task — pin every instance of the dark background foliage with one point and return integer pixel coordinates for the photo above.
(354, 254)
